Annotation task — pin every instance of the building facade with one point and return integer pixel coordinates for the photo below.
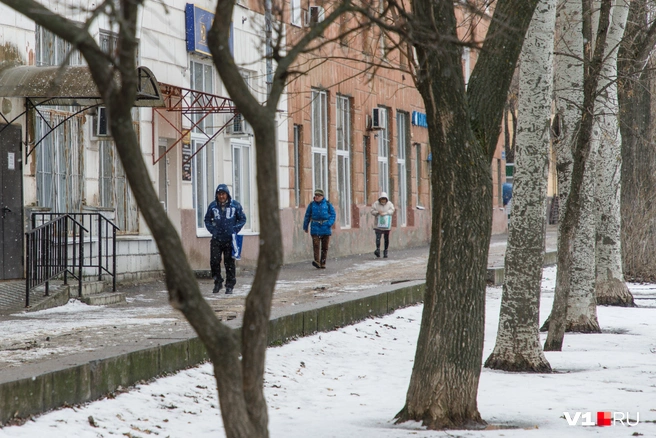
(349, 130)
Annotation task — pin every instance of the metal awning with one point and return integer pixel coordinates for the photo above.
(64, 86)
(70, 86)
(195, 106)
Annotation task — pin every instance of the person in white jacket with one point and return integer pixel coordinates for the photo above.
(382, 211)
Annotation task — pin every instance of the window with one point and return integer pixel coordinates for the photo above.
(418, 171)
(320, 141)
(402, 143)
(108, 42)
(241, 179)
(365, 165)
(59, 181)
(466, 64)
(499, 184)
(201, 79)
(383, 153)
(298, 130)
(59, 161)
(202, 167)
(344, 159)
(52, 50)
(296, 13)
(203, 163)
(114, 189)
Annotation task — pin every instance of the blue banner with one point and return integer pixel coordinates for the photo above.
(197, 24)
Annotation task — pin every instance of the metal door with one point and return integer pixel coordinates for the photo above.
(11, 203)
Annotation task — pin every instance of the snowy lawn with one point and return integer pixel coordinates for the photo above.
(351, 383)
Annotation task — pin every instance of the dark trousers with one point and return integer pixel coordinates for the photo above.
(320, 246)
(382, 233)
(217, 250)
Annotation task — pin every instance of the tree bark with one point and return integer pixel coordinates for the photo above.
(517, 345)
(581, 153)
(610, 288)
(635, 89)
(462, 130)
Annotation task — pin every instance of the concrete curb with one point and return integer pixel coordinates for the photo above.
(65, 385)
(497, 275)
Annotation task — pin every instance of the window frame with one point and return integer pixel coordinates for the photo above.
(237, 192)
(402, 118)
(383, 151)
(343, 136)
(319, 121)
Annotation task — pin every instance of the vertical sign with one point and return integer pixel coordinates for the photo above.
(186, 158)
(11, 161)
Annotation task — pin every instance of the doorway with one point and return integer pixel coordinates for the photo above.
(11, 203)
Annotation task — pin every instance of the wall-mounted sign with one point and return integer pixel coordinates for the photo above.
(11, 161)
(186, 162)
(198, 22)
(419, 119)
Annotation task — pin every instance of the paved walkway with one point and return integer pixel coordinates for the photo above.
(77, 333)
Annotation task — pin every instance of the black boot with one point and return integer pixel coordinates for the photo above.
(217, 287)
(385, 254)
(377, 252)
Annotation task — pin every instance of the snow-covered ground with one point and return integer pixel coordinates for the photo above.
(351, 383)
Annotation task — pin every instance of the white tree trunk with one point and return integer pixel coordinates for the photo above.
(518, 343)
(582, 305)
(610, 286)
(568, 89)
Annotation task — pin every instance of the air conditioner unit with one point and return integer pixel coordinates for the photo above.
(238, 126)
(377, 119)
(315, 14)
(101, 123)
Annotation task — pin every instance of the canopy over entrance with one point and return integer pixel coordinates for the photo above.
(70, 86)
(64, 86)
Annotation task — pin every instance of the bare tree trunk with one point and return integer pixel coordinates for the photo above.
(444, 383)
(572, 214)
(568, 91)
(635, 91)
(518, 346)
(610, 287)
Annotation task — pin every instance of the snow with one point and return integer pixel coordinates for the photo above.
(351, 383)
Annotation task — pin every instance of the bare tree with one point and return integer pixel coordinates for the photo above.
(464, 126)
(635, 91)
(610, 287)
(238, 364)
(517, 345)
(581, 154)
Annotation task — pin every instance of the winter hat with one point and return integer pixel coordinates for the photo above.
(318, 192)
(383, 195)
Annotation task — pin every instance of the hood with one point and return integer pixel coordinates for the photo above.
(222, 188)
(383, 195)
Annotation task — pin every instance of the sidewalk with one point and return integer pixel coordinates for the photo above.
(34, 343)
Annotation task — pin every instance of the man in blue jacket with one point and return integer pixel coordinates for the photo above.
(224, 219)
(322, 215)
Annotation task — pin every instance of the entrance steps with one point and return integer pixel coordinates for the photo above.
(93, 294)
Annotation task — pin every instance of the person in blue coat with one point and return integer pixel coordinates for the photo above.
(319, 217)
(224, 219)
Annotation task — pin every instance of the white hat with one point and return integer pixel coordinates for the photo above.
(383, 195)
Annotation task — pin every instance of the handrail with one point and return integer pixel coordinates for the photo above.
(100, 242)
(50, 255)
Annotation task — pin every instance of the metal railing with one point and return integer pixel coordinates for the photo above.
(99, 257)
(54, 248)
